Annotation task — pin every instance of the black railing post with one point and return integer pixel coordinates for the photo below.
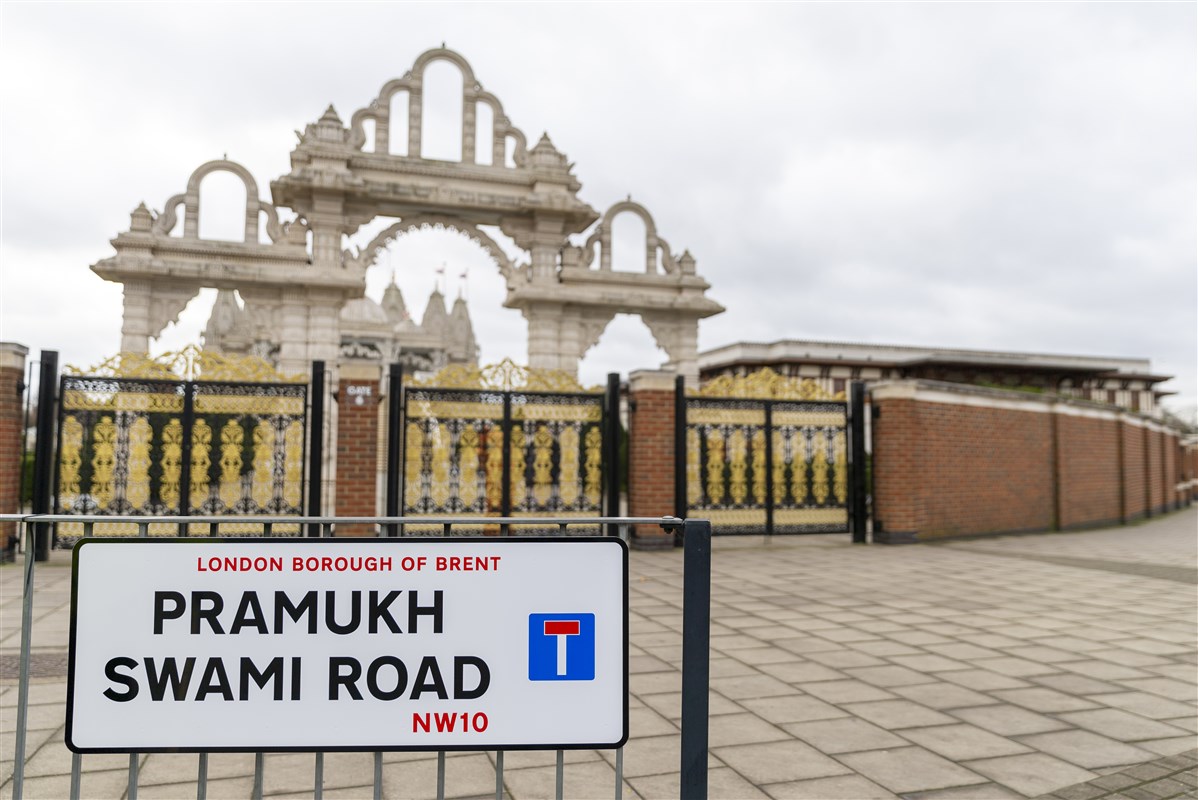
(857, 487)
(505, 505)
(189, 421)
(696, 641)
(769, 469)
(316, 446)
(680, 499)
(394, 428)
(611, 455)
(43, 449)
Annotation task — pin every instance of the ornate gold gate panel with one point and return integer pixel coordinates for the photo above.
(153, 446)
(486, 443)
(767, 454)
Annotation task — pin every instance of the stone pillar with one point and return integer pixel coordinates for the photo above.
(543, 251)
(293, 333)
(651, 454)
(357, 445)
(544, 349)
(12, 386)
(135, 324)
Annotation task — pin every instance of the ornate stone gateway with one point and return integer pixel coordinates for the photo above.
(179, 435)
(504, 441)
(295, 284)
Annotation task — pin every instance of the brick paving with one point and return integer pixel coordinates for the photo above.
(1163, 779)
(918, 672)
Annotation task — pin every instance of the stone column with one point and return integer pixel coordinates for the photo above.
(12, 428)
(651, 454)
(293, 333)
(544, 348)
(135, 323)
(569, 341)
(357, 445)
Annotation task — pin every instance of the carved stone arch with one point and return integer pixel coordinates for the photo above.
(444, 54)
(368, 256)
(412, 82)
(191, 201)
(653, 242)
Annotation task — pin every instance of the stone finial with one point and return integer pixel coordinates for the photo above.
(686, 262)
(545, 155)
(141, 220)
(326, 129)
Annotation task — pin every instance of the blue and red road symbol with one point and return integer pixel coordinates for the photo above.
(561, 647)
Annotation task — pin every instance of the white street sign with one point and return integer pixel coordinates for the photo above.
(348, 644)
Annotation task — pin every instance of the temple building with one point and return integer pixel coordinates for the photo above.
(1128, 383)
(371, 331)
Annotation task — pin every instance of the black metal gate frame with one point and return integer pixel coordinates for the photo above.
(855, 424)
(398, 400)
(189, 390)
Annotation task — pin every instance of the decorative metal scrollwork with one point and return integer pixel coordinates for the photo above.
(189, 364)
(506, 376)
(766, 384)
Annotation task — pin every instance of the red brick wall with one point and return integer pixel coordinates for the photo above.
(897, 438)
(651, 462)
(1153, 464)
(10, 447)
(1169, 446)
(960, 469)
(1135, 489)
(357, 453)
(951, 461)
(1088, 466)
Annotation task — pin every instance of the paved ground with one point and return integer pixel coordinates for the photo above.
(994, 668)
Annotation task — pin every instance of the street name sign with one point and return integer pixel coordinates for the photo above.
(348, 644)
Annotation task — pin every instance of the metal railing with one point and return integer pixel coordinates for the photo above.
(696, 625)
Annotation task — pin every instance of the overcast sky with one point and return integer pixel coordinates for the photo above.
(1009, 176)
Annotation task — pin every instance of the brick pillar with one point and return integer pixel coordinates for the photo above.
(651, 454)
(357, 446)
(12, 379)
(897, 437)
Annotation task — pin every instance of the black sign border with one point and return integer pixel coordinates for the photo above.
(465, 540)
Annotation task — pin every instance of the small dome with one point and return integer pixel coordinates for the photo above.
(364, 311)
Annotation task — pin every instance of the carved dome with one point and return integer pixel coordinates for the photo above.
(364, 311)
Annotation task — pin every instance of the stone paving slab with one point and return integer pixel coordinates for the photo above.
(994, 668)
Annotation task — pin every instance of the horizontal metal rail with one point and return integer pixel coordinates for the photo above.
(442, 520)
(31, 523)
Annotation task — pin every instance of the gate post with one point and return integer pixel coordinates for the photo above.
(315, 445)
(189, 421)
(394, 422)
(680, 499)
(696, 643)
(651, 467)
(611, 455)
(12, 440)
(357, 445)
(43, 452)
(857, 486)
